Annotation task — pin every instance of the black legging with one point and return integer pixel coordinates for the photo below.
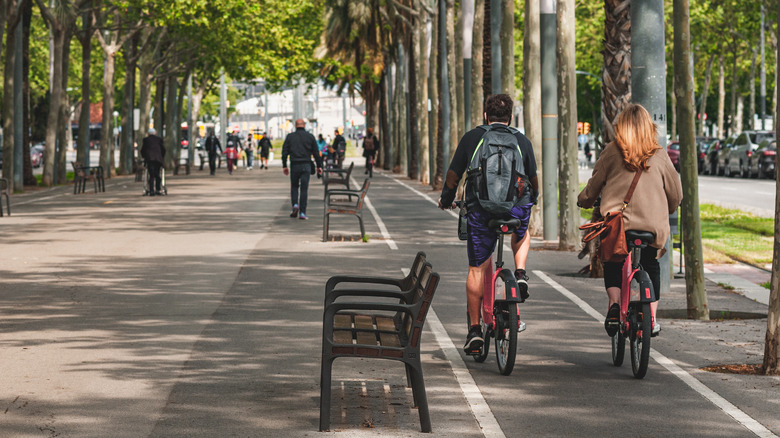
(613, 272)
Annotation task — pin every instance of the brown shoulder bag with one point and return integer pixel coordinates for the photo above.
(613, 246)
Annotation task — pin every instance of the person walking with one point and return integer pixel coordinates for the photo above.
(212, 145)
(265, 148)
(300, 146)
(153, 152)
(337, 149)
(249, 150)
(658, 193)
(235, 141)
(370, 146)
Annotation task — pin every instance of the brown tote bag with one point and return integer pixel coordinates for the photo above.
(613, 247)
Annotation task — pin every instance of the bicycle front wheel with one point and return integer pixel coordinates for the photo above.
(618, 348)
(506, 337)
(642, 327)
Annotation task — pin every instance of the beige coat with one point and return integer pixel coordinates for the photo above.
(658, 192)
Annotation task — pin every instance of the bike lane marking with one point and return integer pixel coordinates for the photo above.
(477, 403)
(382, 227)
(726, 406)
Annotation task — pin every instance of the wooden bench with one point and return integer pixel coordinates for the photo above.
(345, 202)
(4, 192)
(379, 330)
(82, 174)
(337, 176)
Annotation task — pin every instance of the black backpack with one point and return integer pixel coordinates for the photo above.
(496, 174)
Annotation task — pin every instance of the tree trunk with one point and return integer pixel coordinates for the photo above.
(171, 146)
(106, 134)
(55, 95)
(532, 99)
(414, 134)
(452, 56)
(673, 98)
(63, 124)
(487, 54)
(421, 90)
(128, 104)
(144, 97)
(29, 178)
(403, 117)
(616, 86)
(721, 96)
(477, 54)
(691, 227)
(740, 113)
(433, 114)
(752, 101)
(82, 148)
(734, 83)
(384, 119)
(508, 47)
(9, 163)
(568, 181)
(704, 92)
(459, 110)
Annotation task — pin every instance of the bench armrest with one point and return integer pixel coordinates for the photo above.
(402, 296)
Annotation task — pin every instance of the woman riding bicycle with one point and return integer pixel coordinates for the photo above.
(658, 194)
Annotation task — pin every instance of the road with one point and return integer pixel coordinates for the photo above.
(750, 195)
(199, 314)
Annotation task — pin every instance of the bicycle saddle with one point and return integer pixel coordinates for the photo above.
(639, 239)
(500, 224)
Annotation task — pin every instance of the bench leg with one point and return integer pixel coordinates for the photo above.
(325, 382)
(362, 228)
(420, 399)
(325, 223)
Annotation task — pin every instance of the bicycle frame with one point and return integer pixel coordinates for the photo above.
(490, 293)
(631, 268)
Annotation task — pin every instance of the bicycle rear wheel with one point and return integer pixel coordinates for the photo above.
(506, 337)
(618, 348)
(640, 339)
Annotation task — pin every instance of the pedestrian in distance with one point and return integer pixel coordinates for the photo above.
(658, 193)
(235, 141)
(249, 151)
(524, 191)
(265, 149)
(337, 149)
(212, 145)
(153, 152)
(300, 146)
(322, 145)
(370, 147)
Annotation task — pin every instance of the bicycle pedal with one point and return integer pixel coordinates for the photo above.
(521, 327)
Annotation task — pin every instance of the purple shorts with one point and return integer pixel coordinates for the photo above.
(482, 241)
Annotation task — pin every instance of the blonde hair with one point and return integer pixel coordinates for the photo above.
(636, 137)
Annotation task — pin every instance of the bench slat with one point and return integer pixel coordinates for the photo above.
(366, 338)
(342, 337)
(390, 340)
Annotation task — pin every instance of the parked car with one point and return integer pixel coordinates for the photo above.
(674, 153)
(745, 144)
(711, 158)
(702, 144)
(37, 155)
(723, 155)
(763, 161)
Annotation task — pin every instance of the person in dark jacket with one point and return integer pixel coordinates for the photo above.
(370, 147)
(235, 140)
(265, 147)
(300, 146)
(212, 145)
(337, 149)
(153, 151)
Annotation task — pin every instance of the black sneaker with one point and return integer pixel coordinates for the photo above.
(474, 340)
(612, 323)
(295, 211)
(522, 283)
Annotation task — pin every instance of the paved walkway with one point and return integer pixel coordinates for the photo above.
(199, 314)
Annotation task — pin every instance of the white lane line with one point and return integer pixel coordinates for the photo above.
(382, 227)
(477, 403)
(726, 406)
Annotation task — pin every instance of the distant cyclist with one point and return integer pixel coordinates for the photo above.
(658, 193)
(481, 240)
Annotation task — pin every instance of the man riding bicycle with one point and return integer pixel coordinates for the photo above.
(482, 240)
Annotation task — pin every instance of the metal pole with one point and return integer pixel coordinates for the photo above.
(344, 114)
(495, 45)
(548, 27)
(444, 83)
(763, 73)
(648, 81)
(468, 35)
(222, 109)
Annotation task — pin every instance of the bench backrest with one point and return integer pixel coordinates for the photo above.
(414, 273)
(412, 324)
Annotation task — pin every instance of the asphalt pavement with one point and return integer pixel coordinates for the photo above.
(199, 314)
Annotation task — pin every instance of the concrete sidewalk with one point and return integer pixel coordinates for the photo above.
(199, 314)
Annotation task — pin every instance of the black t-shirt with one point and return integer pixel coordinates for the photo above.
(462, 158)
